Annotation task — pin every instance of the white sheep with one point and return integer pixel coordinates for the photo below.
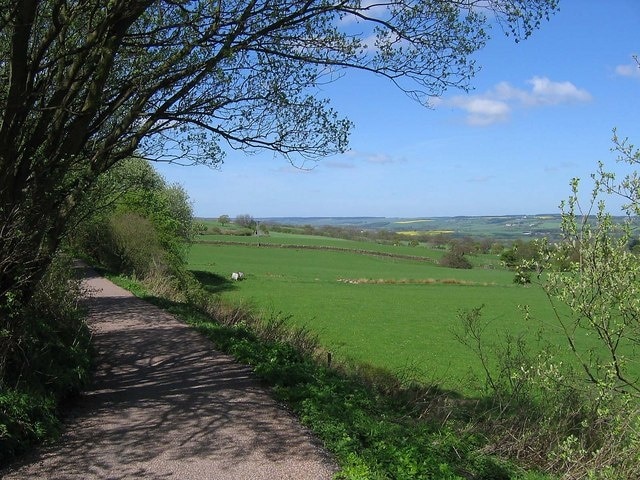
(237, 276)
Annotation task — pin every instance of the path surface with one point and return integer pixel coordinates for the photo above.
(166, 405)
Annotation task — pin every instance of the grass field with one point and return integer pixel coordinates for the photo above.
(395, 313)
(291, 240)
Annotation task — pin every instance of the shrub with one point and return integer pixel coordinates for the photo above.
(135, 223)
(454, 259)
(48, 360)
(522, 277)
(132, 244)
(540, 411)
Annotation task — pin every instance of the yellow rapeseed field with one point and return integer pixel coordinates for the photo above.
(424, 232)
(403, 222)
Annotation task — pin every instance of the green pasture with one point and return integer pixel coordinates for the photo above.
(393, 313)
(290, 239)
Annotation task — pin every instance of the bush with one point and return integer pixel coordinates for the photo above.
(132, 245)
(135, 223)
(26, 419)
(48, 361)
(454, 259)
(540, 411)
(522, 277)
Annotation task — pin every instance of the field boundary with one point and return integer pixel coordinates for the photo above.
(415, 281)
(320, 247)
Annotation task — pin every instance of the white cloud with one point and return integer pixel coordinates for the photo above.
(546, 92)
(496, 105)
(630, 70)
(506, 92)
(482, 111)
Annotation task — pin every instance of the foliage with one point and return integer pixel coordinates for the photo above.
(246, 221)
(134, 222)
(522, 277)
(224, 219)
(26, 419)
(520, 254)
(538, 409)
(47, 363)
(601, 287)
(455, 258)
(130, 244)
(263, 228)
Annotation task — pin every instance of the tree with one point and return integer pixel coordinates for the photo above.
(599, 280)
(133, 221)
(224, 219)
(455, 257)
(88, 84)
(521, 253)
(246, 221)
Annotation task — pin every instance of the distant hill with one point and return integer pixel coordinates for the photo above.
(503, 227)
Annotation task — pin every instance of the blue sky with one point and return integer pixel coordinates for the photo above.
(540, 113)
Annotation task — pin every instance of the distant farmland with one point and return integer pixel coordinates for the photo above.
(508, 227)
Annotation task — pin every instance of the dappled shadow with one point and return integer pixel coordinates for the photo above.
(212, 282)
(164, 404)
(83, 271)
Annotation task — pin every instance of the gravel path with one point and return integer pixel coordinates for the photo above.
(166, 405)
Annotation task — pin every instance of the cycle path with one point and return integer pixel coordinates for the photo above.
(164, 404)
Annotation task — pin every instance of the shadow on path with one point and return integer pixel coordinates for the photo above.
(165, 405)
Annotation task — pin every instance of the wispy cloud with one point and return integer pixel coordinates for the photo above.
(628, 70)
(481, 179)
(496, 105)
(339, 165)
(352, 158)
